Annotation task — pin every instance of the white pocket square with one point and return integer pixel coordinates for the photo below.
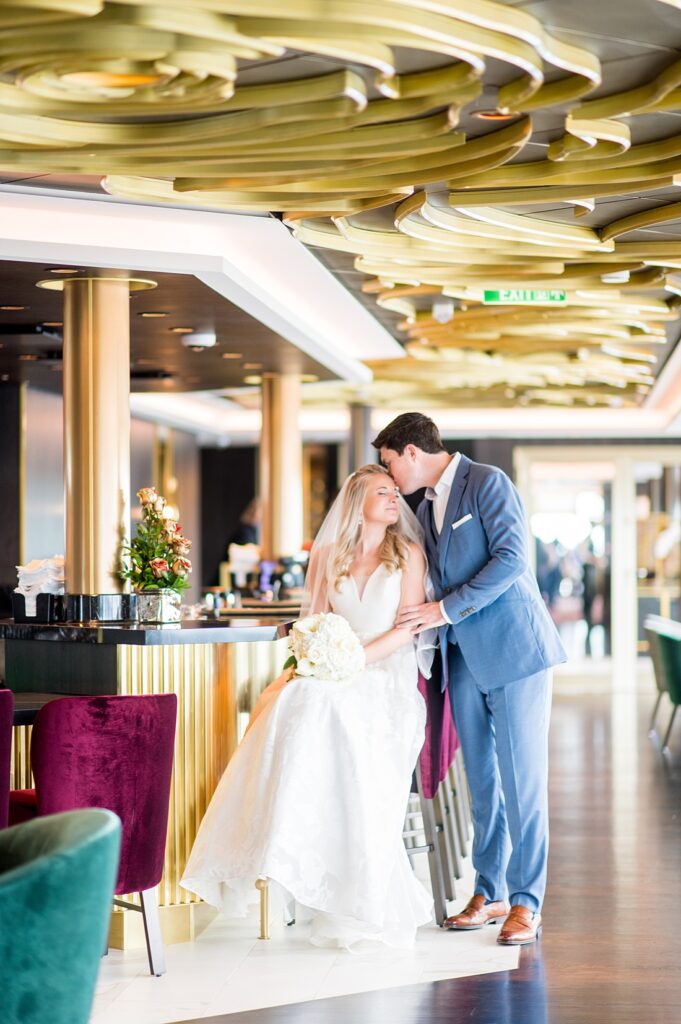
(460, 522)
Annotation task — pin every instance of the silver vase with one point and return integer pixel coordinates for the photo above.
(158, 605)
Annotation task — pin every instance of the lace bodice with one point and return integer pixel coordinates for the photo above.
(374, 612)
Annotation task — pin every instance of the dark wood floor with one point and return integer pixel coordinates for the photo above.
(611, 947)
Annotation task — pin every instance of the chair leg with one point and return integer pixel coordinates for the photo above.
(669, 728)
(152, 932)
(434, 859)
(262, 885)
(459, 823)
(462, 791)
(460, 805)
(651, 727)
(446, 853)
(458, 850)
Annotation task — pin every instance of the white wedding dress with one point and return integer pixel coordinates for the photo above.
(315, 796)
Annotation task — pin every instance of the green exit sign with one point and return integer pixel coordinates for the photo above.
(523, 297)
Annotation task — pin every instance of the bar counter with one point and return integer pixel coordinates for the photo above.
(189, 631)
(217, 668)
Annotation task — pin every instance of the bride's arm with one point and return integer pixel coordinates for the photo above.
(412, 592)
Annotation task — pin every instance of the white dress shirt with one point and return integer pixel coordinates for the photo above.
(439, 495)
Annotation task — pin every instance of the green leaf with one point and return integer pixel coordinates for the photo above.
(291, 662)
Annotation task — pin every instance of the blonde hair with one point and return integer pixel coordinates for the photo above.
(395, 548)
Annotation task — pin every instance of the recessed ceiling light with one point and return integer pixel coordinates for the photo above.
(231, 355)
(252, 366)
(63, 270)
(28, 357)
(12, 309)
(182, 330)
(109, 80)
(4, 376)
(494, 115)
(615, 277)
(254, 379)
(153, 315)
(52, 323)
(135, 284)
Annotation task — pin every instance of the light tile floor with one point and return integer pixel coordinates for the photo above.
(228, 969)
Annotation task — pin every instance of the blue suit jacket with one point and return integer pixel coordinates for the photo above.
(480, 570)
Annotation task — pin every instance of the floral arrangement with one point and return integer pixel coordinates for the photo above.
(157, 555)
(325, 646)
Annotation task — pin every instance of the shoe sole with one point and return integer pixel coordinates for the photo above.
(472, 927)
(519, 942)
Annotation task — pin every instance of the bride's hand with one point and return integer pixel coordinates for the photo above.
(421, 616)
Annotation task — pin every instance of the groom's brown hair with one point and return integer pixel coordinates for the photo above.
(410, 428)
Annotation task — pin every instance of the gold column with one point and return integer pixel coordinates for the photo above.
(96, 431)
(281, 466)
(96, 425)
(361, 451)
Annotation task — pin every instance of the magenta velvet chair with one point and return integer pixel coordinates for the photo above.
(6, 720)
(117, 753)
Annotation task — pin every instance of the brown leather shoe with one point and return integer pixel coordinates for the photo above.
(520, 927)
(475, 914)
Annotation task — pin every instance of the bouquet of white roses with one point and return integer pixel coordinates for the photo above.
(325, 646)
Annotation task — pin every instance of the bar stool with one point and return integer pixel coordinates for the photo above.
(422, 835)
(6, 720)
(670, 657)
(651, 627)
(113, 752)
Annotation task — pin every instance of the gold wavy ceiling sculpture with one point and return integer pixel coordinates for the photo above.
(190, 103)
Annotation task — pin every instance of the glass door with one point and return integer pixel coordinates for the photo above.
(658, 542)
(570, 515)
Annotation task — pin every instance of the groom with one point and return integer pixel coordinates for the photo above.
(497, 645)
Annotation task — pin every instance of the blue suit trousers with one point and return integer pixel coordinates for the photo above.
(503, 732)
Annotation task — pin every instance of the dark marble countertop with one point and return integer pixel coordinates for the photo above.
(189, 631)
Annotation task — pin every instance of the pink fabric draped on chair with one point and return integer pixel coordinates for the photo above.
(441, 743)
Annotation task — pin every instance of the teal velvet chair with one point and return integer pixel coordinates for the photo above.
(652, 625)
(669, 645)
(57, 876)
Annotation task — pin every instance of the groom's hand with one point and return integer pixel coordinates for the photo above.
(421, 616)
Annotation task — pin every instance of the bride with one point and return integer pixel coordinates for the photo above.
(315, 796)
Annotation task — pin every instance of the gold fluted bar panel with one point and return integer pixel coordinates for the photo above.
(216, 686)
